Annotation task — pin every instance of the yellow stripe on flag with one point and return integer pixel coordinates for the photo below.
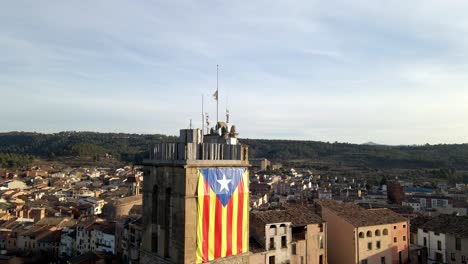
(211, 233)
(245, 228)
(201, 195)
(224, 231)
(235, 214)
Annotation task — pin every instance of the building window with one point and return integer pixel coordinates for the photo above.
(293, 249)
(377, 232)
(321, 242)
(320, 227)
(404, 226)
(272, 243)
(404, 238)
(395, 239)
(452, 256)
(377, 244)
(394, 227)
(438, 257)
(369, 234)
(273, 230)
(458, 243)
(464, 259)
(436, 234)
(369, 246)
(321, 259)
(385, 232)
(283, 242)
(382, 260)
(271, 260)
(282, 229)
(364, 261)
(361, 234)
(439, 245)
(425, 242)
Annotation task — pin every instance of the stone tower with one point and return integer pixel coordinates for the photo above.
(170, 194)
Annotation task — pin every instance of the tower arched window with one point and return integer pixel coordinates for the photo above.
(385, 232)
(154, 211)
(154, 218)
(168, 222)
(361, 234)
(377, 232)
(369, 233)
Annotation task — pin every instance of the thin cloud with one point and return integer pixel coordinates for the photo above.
(354, 71)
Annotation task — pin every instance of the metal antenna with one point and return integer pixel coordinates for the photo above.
(207, 123)
(227, 110)
(202, 116)
(227, 116)
(217, 94)
(190, 123)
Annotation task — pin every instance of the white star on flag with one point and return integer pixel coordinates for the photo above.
(224, 183)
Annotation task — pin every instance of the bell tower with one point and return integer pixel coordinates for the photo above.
(195, 199)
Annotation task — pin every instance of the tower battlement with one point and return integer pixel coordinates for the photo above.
(194, 148)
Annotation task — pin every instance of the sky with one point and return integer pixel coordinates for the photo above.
(391, 72)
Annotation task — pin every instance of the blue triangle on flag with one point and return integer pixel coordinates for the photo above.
(223, 181)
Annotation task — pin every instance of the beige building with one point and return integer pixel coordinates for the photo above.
(170, 183)
(121, 206)
(295, 235)
(360, 236)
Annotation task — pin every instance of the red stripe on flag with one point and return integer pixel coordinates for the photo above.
(206, 220)
(240, 216)
(218, 229)
(229, 227)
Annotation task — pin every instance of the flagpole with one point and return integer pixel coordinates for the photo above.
(202, 117)
(217, 96)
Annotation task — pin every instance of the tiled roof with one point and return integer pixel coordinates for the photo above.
(359, 216)
(107, 228)
(448, 224)
(298, 216)
(52, 236)
(418, 221)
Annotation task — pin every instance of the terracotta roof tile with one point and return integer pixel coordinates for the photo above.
(359, 216)
(298, 216)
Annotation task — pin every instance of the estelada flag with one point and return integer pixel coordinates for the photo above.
(222, 224)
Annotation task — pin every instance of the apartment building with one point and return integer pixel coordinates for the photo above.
(293, 235)
(446, 239)
(364, 236)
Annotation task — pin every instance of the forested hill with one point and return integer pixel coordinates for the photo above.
(132, 147)
(373, 156)
(125, 147)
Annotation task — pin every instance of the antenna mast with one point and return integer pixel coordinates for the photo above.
(227, 110)
(217, 95)
(202, 116)
(207, 123)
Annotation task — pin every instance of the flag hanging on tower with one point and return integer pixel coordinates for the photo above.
(222, 222)
(215, 95)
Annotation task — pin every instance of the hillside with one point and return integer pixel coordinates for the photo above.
(133, 147)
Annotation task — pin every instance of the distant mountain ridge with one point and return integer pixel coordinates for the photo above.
(370, 143)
